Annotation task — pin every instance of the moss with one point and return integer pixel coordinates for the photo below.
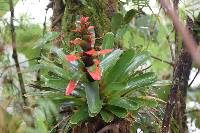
(99, 11)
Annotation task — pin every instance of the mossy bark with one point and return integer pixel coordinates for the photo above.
(99, 11)
(58, 12)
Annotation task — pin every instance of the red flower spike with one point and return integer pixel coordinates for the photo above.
(93, 42)
(71, 57)
(97, 62)
(71, 86)
(91, 52)
(84, 19)
(96, 74)
(76, 41)
(77, 30)
(91, 27)
(102, 52)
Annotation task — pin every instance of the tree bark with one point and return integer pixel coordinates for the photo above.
(99, 11)
(178, 92)
(58, 12)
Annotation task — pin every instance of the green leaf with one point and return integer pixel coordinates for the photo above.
(93, 99)
(134, 64)
(50, 36)
(140, 81)
(67, 100)
(113, 88)
(110, 61)
(162, 83)
(106, 116)
(120, 67)
(116, 21)
(117, 71)
(145, 102)
(108, 41)
(129, 16)
(123, 103)
(79, 116)
(56, 69)
(118, 111)
(55, 83)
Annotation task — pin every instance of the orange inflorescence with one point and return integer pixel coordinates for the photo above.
(89, 56)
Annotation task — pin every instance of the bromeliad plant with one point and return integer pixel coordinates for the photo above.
(105, 89)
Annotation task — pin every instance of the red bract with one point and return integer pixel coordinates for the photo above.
(96, 74)
(84, 19)
(91, 52)
(90, 27)
(77, 30)
(102, 52)
(71, 86)
(76, 41)
(71, 57)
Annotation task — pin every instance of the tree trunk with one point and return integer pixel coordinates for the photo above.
(178, 92)
(58, 12)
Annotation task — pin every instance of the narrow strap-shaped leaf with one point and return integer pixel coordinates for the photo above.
(137, 61)
(93, 99)
(50, 36)
(110, 61)
(79, 116)
(118, 71)
(126, 66)
(140, 81)
(112, 88)
(123, 103)
(118, 111)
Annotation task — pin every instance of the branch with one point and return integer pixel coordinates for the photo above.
(58, 124)
(6, 67)
(188, 39)
(167, 62)
(15, 56)
(113, 127)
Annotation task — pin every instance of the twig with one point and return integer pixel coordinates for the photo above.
(58, 124)
(15, 55)
(188, 39)
(167, 62)
(194, 78)
(35, 58)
